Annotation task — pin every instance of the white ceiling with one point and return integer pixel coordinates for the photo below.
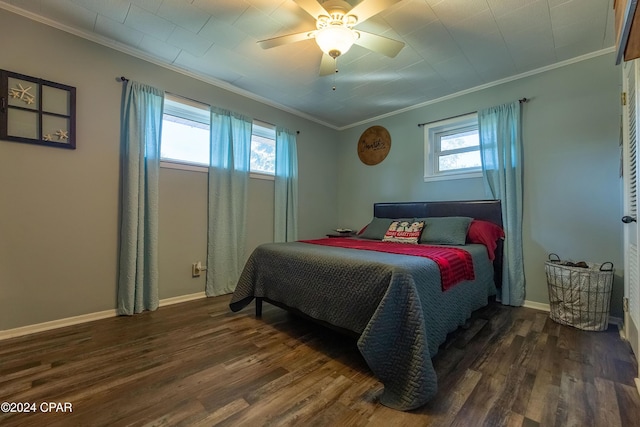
(451, 46)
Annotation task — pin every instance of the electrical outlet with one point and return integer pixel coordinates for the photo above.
(195, 269)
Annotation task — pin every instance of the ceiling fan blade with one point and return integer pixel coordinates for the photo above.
(312, 7)
(379, 44)
(367, 8)
(282, 40)
(327, 65)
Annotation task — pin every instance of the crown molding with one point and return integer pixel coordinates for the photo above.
(544, 69)
(137, 53)
(121, 47)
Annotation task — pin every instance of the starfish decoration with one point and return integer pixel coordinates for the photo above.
(47, 137)
(28, 99)
(22, 91)
(62, 134)
(14, 93)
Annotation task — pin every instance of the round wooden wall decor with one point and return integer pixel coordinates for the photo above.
(374, 145)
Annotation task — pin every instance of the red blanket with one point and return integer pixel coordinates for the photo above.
(455, 264)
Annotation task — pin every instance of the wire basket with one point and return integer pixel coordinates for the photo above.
(579, 296)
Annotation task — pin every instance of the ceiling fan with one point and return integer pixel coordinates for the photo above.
(334, 31)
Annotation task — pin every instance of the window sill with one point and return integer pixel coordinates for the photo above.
(452, 176)
(205, 169)
(183, 166)
(264, 176)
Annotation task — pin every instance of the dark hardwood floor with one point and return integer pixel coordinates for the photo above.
(198, 364)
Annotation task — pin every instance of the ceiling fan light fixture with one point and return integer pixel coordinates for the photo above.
(335, 40)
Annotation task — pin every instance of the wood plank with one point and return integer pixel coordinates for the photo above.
(627, 396)
(223, 413)
(609, 412)
(197, 364)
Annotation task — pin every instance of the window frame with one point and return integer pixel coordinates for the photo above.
(266, 130)
(197, 117)
(433, 132)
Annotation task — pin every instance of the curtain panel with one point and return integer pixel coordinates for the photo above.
(228, 192)
(286, 187)
(141, 126)
(501, 150)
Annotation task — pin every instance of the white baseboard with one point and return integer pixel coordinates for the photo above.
(616, 321)
(182, 298)
(69, 321)
(623, 335)
(90, 317)
(537, 305)
(545, 307)
(54, 324)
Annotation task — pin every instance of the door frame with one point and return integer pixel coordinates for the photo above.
(631, 328)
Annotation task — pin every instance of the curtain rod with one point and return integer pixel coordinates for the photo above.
(123, 79)
(522, 101)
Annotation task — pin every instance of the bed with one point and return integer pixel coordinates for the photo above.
(394, 303)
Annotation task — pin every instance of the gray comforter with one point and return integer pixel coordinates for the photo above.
(394, 302)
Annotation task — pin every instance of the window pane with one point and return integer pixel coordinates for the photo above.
(459, 140)
(469, 159)
(23, 124)
(184, 140)
(187, 109)
(452, 148)
(263, 155)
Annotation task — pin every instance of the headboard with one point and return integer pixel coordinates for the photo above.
(487, 210)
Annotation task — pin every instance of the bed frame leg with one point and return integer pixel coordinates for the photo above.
(258, 307)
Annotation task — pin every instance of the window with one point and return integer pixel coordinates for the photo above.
(263, 148)
(185, 140)
(185, 131)
(452, 149)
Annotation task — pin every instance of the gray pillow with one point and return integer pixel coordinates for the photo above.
(447, 230)
(378, 227)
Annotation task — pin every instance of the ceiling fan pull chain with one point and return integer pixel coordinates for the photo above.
(335, 62)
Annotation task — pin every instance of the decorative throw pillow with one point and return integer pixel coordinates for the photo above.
(448, 230)
(404, 232)
(486, 233)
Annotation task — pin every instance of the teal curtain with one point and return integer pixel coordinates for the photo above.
(286, 187)
(228, 184)
(140, 128)
(501, 149)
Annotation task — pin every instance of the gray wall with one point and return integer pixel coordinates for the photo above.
(572, 189)
(59, 208)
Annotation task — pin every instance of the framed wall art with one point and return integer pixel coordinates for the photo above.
(37, 111)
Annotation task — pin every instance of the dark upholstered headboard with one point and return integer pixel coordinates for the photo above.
(487, 210)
